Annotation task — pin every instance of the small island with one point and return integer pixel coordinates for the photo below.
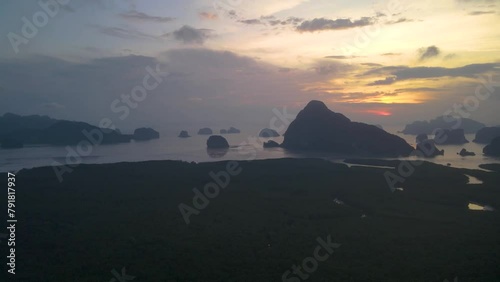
(268, 133)
(144, 134)
(217, 142)
(205, 131)
(184, 134)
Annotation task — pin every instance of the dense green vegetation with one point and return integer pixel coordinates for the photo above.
(105, 217)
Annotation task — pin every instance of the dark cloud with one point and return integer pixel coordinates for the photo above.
(371, 64)
(233, 88)
(321, 24)
(386, 81)
(478, 13)
(431, 72)
(418, 89)
(428, 52)
(123, 33)
(251, 21)
(387, 71)
(401, 20)
(273, 21)
(190, 35)
(143, 17)
(338, 57)
(405, 72)
(328, 67)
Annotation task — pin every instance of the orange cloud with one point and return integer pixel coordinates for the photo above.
(208, 16)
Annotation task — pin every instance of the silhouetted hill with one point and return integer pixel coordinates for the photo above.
(44, 130)
(428, 127)
(145, 133)
(320, 129)
(493, 149)
(12, 122)
(487, 134)
(73, 132)
(453, 137)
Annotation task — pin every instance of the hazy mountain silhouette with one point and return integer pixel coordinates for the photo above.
(37, 129)
(428, 127)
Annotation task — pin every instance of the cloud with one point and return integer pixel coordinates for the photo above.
(123, 32)
(429, 52)
(391, 54)
(321, 24)
(405, 72)
(251, 21)
(208, 16)
(401, 20)
(341, 57)
(386, 81)
(328, 67)
(431, 72)
(190, 35)
(478, 13)
(142, 17)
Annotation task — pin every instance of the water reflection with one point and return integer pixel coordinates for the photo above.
(478, 207)
(473, 180)
(217, 153)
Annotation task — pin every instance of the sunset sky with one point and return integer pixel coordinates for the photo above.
(233, 61)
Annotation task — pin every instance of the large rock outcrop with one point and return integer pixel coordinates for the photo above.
(268, 133)
(493, 149)
(217, 142)
(317, 128)
(451, 137)
(144, 134)
(428, 147)
(271, 144)
(487, 134)
(465, 153)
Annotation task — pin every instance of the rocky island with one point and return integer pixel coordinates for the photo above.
(317, 128)
(493, 149)
(428, 127)
(217, 142)
(487, 134)
(268, 133)
(205, 131)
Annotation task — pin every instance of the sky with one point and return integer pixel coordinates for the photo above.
(230, 62)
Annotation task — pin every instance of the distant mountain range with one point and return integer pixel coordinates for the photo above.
(16, 130)
(428, 127)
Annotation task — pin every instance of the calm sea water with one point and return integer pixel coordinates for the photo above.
(244, 146)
